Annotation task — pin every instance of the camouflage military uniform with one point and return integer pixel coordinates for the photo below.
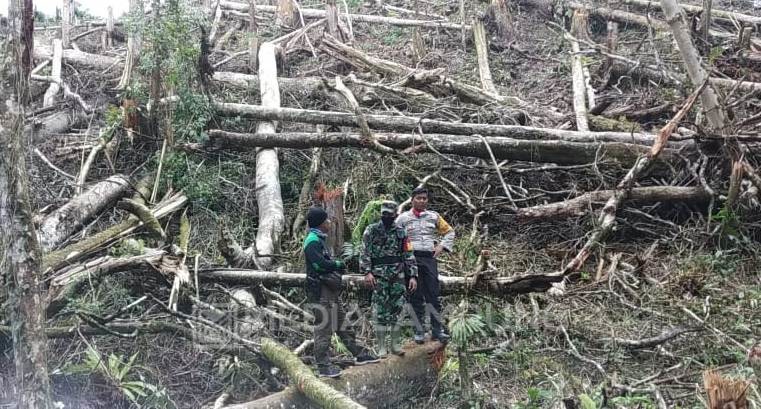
(387, 254)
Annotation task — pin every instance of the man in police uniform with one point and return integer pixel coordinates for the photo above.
(430, 235)
(387, 262)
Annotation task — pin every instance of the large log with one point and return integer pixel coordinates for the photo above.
(55, 123)
(414, 124)
(580, 205)
(314, 13)
(722, 14)
(620, 68)
(268, 196)
(304, 379)
(67, 219)
(84, 59)
(552, 151)
(388, 384)
(500, 286)
(314, 88)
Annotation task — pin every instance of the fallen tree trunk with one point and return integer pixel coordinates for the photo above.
(69, 218)
(314, 13)
(552, 151)
(55, 123)
(722, 14)
(619, 16)
(414, 124)
(390, 383)
(84, 59)
(433, 80)
(305, 88)
(65, 285)
(580, 205)
(500, 286)
(268, 197)
(621, 68)
(59, 258)
(302, 377)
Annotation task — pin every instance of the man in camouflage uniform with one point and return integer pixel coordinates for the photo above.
(388, 262)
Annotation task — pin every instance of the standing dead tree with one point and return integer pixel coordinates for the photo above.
(134, 43)
(715, 113)
(20, 250)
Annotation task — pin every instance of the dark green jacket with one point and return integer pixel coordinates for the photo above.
(318, 260)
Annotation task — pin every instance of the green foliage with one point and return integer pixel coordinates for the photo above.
(587, 402)
(127, 248)
(109, 295)
(200, 181)
(174, 44)
(466, 327)
(537, 397)
(118, 371)
(370, 214)
(633, 401)
(393, 36)
(714, 54)
(729, 227)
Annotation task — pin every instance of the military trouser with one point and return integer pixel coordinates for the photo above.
(427, 295)
(329, 319)
(388, 300)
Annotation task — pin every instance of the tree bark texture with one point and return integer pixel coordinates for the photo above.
(581, 204)
(388, 384)
(548, 151)
(66, 16)
(414, 124)
(482, 52)
(268, 195)
(320, 393)
(54, 88)
(20, 252)
(134, 44)
(69, 218)
(312, 14)
(499, 286)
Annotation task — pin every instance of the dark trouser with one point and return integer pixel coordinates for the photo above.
(329, 319)
(426, 297)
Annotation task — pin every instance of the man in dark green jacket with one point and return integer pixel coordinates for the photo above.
(323, 289)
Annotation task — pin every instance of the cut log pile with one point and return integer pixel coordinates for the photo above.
(396, 110)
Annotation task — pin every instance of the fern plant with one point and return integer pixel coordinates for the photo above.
(465, 327)
(117, 371)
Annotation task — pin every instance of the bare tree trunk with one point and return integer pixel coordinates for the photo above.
(134, 43)
(715, 113)
(110, 28)
(552, 151)
(482, 51)
(333, 203)
(268, 196)
(286, 14)
(417, 124)
(21, 254)
(155, 92)
(67, 219)
(578, 26)
(253, 39)
(54, 88)
(306, 188)
(66, 23)
(302, 376)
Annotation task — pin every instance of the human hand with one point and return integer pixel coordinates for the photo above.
(412, 286)
(370, 280)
